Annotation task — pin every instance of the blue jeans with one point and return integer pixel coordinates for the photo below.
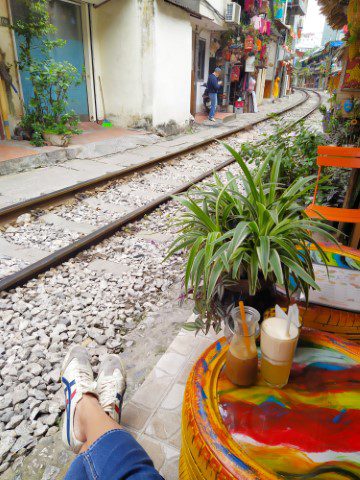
(213, 98)
(114, 456)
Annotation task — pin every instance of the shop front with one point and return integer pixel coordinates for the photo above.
(242, 54)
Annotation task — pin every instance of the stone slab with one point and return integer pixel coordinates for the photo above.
(108, 207)
(124, 160)
(63, 223)
(36, 182)
(29, 255)
(154, 151)
(105, 266)
(155, 236)
(92, 168)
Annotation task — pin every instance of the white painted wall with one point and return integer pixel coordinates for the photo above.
(219, 5)
(172, 64)
(122, 40)
(143, 56)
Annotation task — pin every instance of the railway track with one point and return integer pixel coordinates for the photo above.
(123, 193)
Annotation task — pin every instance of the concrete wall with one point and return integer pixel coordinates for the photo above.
(143, 56)
(172, 64)
(219, 5)
(7, 48)
(123, 50)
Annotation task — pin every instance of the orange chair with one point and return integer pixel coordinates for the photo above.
(340, 157)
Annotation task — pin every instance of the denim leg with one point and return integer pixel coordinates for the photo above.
(77, 470)
(213, 98)
(115, 456)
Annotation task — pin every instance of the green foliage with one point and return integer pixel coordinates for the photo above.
(298, 149)
(230, 234)
(51, 80)
(342, 130)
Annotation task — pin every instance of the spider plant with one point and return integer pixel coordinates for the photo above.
(258, 233)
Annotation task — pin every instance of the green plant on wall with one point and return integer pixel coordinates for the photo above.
(47, 110)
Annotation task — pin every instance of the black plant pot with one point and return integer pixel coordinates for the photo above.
(264, 298)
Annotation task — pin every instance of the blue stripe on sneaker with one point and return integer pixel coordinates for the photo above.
(67, 392)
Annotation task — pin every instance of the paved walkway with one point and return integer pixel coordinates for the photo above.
(95, 159)
(152, 416)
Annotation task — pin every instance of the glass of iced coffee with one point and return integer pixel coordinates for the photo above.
(278, 342)
(242, 359)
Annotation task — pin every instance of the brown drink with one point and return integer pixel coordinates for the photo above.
(241, 371)
(278, 346)
(242, 359)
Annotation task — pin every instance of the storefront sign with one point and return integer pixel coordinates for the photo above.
(4, 22)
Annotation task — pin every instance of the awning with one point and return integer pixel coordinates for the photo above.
(190, 6)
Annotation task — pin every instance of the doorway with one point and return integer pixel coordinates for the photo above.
(66, 16)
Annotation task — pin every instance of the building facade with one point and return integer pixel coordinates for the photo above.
(144, 62)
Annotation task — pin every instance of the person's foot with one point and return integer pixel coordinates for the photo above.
(78, 379)
(111, 386)
(212, 119)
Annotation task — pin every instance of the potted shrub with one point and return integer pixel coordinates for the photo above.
(58, 135)
(240, 243)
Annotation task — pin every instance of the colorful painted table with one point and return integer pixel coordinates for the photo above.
(308, 430)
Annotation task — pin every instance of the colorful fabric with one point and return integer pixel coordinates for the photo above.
(249, 43)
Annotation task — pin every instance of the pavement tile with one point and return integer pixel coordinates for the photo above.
(185, 372)
(164, 424)
(134, 416)
(174, 399)
(164, 456)
(171, 362)
(183, 344)
(153, 389)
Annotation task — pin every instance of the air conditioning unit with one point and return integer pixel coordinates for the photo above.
(233, 13)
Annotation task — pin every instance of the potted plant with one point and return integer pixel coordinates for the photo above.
(243, 236)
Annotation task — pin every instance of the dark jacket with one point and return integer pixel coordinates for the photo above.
(213, 84)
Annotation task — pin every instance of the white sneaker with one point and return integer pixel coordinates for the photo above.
(77, 378)
(212, 119)
(111, 386)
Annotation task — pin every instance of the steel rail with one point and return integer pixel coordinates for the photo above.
(60, 256)
(25, 206)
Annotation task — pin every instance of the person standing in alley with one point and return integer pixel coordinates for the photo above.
(213, 85)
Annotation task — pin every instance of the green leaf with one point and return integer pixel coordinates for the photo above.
(213, 278)
(300, 272)
(263, 253)
(245, 170)
(275, 263)
(192, 254)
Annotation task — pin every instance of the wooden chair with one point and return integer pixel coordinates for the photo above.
(339, 157)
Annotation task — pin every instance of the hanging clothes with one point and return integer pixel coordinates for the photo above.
(249, 43)
(249, 5)
(250, 64)
(268, 27)
(255, 107)
(263, 52)
(235, 74)
(276, 87)
(256, 22)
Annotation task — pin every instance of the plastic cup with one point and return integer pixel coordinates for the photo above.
(277, 350)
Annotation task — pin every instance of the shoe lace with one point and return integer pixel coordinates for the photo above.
(107, 392)
(85, 379)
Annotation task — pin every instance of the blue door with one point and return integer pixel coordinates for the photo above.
(67, 19)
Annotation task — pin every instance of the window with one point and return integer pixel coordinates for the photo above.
(201, 59)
